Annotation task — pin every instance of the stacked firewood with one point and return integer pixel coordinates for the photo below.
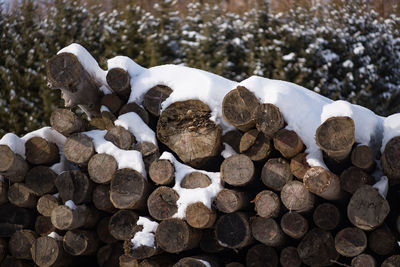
(272, 208)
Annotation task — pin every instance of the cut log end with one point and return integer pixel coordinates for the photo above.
(101, 168)
(66, 122)
(233, 230)
(269, 119)
(363, 158)
(162, 172)
(296, 197)
(267, 204)
(20, 244)
(162, 203)
(122, 223)
(79, 148)
(294, 225)
(323, 183)
(326, 216)
(262, 255)
(350, 242)
(120, 137)
(119, 81)
(255, 145)
(267, 231)
(229, 201)
(289, 257)
(365, 260)
(390, 159)
(39, 151)
(288, 143)
(237, 170)
(276, 173)
(200, 216)
(154, 97)
(195, 180)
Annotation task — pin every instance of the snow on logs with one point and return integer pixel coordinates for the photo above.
(295, 181)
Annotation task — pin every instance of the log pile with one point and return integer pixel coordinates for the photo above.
(271, 207)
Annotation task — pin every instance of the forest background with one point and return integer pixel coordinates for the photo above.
(346, 50)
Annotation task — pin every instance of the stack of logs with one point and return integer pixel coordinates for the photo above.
(274, 210)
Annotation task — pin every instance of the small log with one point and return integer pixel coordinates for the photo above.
(128, 189)
(81, 242)
(43, 226)
(101, 198)
(3, 248)
(65, 72)
(175, 235)
(162, 172)
(103, 232)
(299, 165)
(12, 166)
(350, 241)
(65, 218)
(162, 203)
(296, 197)
(104, 122)
(267, 204)
(149, 153)
(101, 168)
(140, 252)
(233, 230)
(185, 127)
(323, 183)
(122, 223)
(294, 225)
(22, 196)
(108, 255)
(288, 143)
(128, 261)
(154, 97)
(195, 180)
(74, 185)
(229, 201)
(200, 216)
(14, 218)
(40, 180)
(255, 145)
(390, 159)
(261, 256)
(276, 173)
(352, 178)
(363, 158)
(233, 138)
(326, 216)
(197, 261)
(269, 119)
(120, 137)
(209, 242)
(335, 137)
(237, 170)
(364, 260)
(238, 107)
(39, 151)
(392, 261)
(3, 191)
(367, 209)
(133, 107)
(267, 231)
(66, 122)
(20, 244)
(79, 148)
(382, 241)
(47, 251)
(46, 204)
(289, 257)
(119, 81)
(317, 248)
(112, 102)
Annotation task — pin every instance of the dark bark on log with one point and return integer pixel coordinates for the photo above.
(238, 108)
(233, 138)
(120, 137)
(261, 256)
(39, 151)
(336, 137)
(326, 216)
(43, 226)
(79, 148)
(133, 107)
(289, 257)
(352, 178)
(12, 166)
(200, 216)
(154, 97)
(209, 242)
(127, 261)
(392, 261)
(255, 145)
(22, 196)
(269, 119)
(276, 173)
(64, 218)
(294, 225)
(108, 255)
(162, 203)
(81, 242)
(350, 241)
(3, 191)
(46, 204)
(20, 244)
(323, 183)
(296, 197)
(267, 231)
(267, 204)
(101, 168)
(112, 102)
(13, 218)
(237, 170)
(317, 248)
(103, 231)
(141, 252)
(119, 81)
(66, 122)
(149, 153)
(233, 230)
(41, 180)
(75, 186)
(363, 158)
(367, 209)
(185, 127)
(175, 235)
(288, 143)
(195, 180)
(364, 260)
(162, 172)
(122, 223)
(299, 165)
(47, 251)
(390, 159)
(382, 241)
(128, 189)
(65, 72)
(101, 198)
(229, 201)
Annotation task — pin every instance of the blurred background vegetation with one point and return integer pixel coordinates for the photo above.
(342, 49)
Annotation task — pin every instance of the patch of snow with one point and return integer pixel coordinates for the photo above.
(70, 204)
(359, 49)
(206, 263)
(104, 108)
(391, 128)
(289, 57)
(16, 144)
(348, 64)
(146, 236)
(134, 123)
(126, 64)
(55, 236)
(228, 151)
(382, 185)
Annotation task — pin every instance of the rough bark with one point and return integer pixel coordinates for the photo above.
(299, 165)
(74, 185)
(47, 251)
(101, 198)
(237, 170)
(20, 244)
(39, 151)
(390, 159)
(22, 196)
(40, 180)
(65, 218)
(154, 97)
